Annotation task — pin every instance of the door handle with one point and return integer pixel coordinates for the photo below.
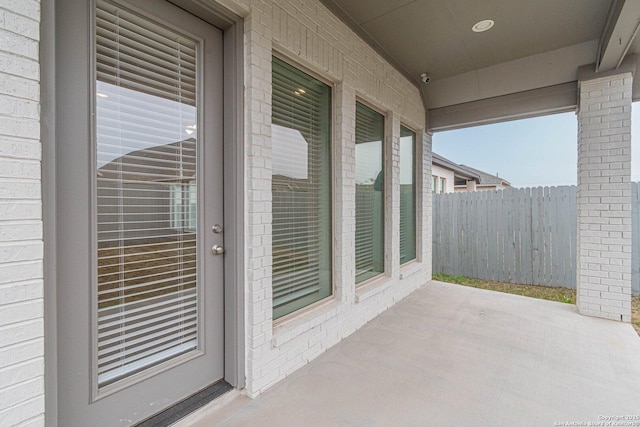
(217, 250)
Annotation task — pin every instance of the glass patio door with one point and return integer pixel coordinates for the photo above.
(152, 332)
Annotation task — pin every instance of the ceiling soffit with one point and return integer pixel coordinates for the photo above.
(533, 44)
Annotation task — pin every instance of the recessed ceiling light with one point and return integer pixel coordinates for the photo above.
(481, 26)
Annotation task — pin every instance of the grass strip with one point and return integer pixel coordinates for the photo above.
(564, 295)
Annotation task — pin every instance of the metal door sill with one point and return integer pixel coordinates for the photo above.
(185, 407)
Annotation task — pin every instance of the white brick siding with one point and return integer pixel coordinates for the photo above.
(21, 245)
(310, 36)
(604, 197)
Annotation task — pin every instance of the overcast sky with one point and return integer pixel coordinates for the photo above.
(528, 153)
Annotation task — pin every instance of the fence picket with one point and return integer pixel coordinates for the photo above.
(574, 240)
(528, 267)
(492, 240)
(568, 235)
(559, 239)
(533, 236)
(502, 248)
(455, 238)
(512, 216)
(482, 233)
(524, 248)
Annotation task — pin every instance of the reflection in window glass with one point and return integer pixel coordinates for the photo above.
(369, 193)
(146, 159)
(443, 185)
(301, 189)
(407, 195)
(183, 205)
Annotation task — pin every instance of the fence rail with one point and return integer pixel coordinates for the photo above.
(525, 236)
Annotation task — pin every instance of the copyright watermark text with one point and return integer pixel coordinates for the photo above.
(604, 421)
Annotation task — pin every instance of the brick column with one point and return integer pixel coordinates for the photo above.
(345, 193)
(604, 197)
(425, 200)
(392, 195)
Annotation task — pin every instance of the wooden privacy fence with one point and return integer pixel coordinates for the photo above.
(525, 236)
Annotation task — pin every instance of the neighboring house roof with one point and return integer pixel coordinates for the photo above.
(468, 173)
(485, 178)
(173, 162)
(457, 169)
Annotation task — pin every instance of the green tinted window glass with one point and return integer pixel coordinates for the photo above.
(369, 193)
(301, 189)
(407, 195)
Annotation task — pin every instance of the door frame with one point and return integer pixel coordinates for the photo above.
(232, 26)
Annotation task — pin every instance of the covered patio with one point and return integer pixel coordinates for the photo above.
(452, 355)
(294, 295)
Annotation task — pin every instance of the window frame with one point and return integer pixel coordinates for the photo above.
(386, 174)
(416, 133)
(182, 219)
(294, 62)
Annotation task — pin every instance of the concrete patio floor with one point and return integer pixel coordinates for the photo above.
(449, 355)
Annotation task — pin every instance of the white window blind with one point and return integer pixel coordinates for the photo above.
(146, 150)
(407, 195)
(369, 193)
(301, 189)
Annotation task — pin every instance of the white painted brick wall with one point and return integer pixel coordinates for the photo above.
(309, 35)
(21, 246)
(604, 197)
(425, 239)
(302, 30)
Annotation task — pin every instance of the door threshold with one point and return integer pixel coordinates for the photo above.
(185, 407)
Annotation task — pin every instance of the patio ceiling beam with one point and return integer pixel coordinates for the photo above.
(521, 105)
(619, 32)
(542, 70)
